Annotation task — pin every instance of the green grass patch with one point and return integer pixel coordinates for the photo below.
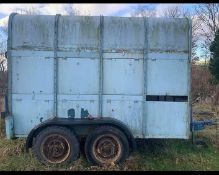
(151, 155)
(159, 155)
(179, 155)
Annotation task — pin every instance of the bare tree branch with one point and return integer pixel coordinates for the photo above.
(72, 11)
(144, 11)
(208, 15)
(175, 12)
(28, 11)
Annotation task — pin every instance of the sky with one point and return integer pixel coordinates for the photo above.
(94, 9)
(106, 9)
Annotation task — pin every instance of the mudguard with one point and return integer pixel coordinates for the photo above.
(71, 122)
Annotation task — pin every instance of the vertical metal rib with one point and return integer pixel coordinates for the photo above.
(56, 64)
(100, 65)
(189, 73)
(145, 60)
(9, 48)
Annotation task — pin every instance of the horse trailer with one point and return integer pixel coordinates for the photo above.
(108, 80)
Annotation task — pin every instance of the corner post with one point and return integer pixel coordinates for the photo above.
(9, 124)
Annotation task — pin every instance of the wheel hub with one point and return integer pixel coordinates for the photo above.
(56, 148)
(107, 148)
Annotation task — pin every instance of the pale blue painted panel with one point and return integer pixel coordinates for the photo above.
(78, 32)
(78, 97)
(168, 34)
(78, 76)
(124, 54)
(32, 53)
(9, 127)
(28, 111)
(168, 56)
(123, 97)
(166, 119)
(77, 103)
(123, 33)
(32, 75)
(123, 76)
(78, 53)
(33, 32)
(167, 77)
(127, 109)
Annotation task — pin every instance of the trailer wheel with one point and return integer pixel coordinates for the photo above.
(106, 145)
(56, 145)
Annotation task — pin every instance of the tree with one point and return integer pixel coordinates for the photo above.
(4, 31)
(3, 47)
(214, 59)
(178, 11)
(208, 15)
(214, 66)
(28, 11)
(3, 62)
(175, 11)
(144, 11)
(70, 10)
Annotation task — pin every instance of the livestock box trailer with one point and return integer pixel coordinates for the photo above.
(106, 79)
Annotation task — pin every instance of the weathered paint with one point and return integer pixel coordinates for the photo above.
(71, 113)
(162, 74)
(28, 110)
(9, 127)
(168, 35)
(28, 73)
(33, 32)
(126, 74)
(77, 102)
(174, 119)
(72, 81)
(81, 66)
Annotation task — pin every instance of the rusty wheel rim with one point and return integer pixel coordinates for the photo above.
(107, 149)
(55, 148)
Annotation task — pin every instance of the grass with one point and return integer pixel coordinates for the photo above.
(151, 155)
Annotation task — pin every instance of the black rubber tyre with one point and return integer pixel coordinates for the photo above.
(106, 145)
(56, 145)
